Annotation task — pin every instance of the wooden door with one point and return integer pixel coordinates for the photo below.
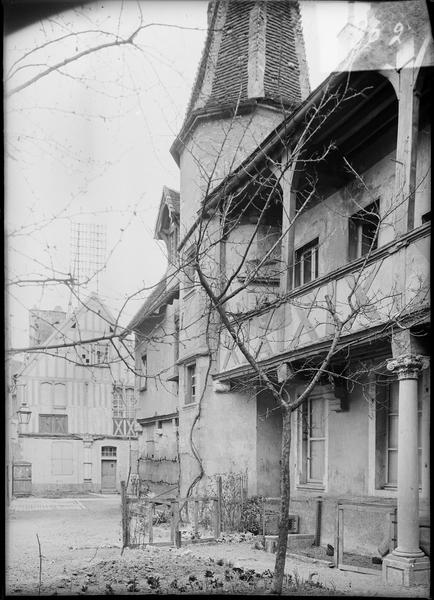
(22, 479)
(108, 475)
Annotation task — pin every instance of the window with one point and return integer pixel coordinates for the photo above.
(306, 263)
(387, 420)
(45, 392)
(363, 231)
(94, 354)
(144, 372)
(190, 391)
(62, 458)
(53, 423)
(108, 451)
(124, 411)
(59, 395)
(313, 441)
(100, 354)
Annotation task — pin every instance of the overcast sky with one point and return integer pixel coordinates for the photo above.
(90, 142)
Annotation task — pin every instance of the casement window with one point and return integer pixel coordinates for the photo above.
(62, 458)
(306, 263)
(363, 231)
(124, 411)
(313, 441)
(387, 421)
(191, 384)
(53, 423)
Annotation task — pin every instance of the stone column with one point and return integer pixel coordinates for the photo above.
(407, 565)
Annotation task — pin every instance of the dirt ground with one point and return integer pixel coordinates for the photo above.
(81, 555)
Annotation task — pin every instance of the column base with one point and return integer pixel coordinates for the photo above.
(404, 571)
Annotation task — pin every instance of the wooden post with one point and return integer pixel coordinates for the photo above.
(220, 501)
(172, 522)
(151, 518)
(196, 516)
(340, 550)
(177, 533)
(125, 519)
(217, 529)
(317, 539)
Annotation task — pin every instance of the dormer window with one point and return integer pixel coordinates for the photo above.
(168, 221)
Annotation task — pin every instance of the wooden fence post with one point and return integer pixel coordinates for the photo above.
(217, 530)
(176, 532)
(220, 502)
(125, 519)
(172, 522)
(151, 524)
(196, 516)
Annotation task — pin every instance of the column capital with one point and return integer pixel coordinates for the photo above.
(406, 366)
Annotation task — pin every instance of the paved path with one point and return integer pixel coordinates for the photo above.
(29, 504)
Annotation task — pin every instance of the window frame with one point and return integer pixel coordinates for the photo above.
(356, 224)
(57, 405)
(143, 371)
(300, 260)
(53, 418)
(190, 384)
(123, 411)
(304, 462)
(109, 452)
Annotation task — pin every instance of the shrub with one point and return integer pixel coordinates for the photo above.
(251, 515)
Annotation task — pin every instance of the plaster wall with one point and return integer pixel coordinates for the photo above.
(216, 147)
(224, 436)
(158, 396)
(193, 324)
(269, 435)
(328, 220)
(423, 175)
(39, 452)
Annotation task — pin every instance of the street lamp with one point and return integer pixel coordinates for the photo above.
(24, 414)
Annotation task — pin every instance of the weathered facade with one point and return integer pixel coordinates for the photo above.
(81, 435)
(315, 243)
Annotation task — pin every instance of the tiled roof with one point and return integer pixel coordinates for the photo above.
(230, 66)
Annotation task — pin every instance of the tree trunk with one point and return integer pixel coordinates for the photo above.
(282, 541)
